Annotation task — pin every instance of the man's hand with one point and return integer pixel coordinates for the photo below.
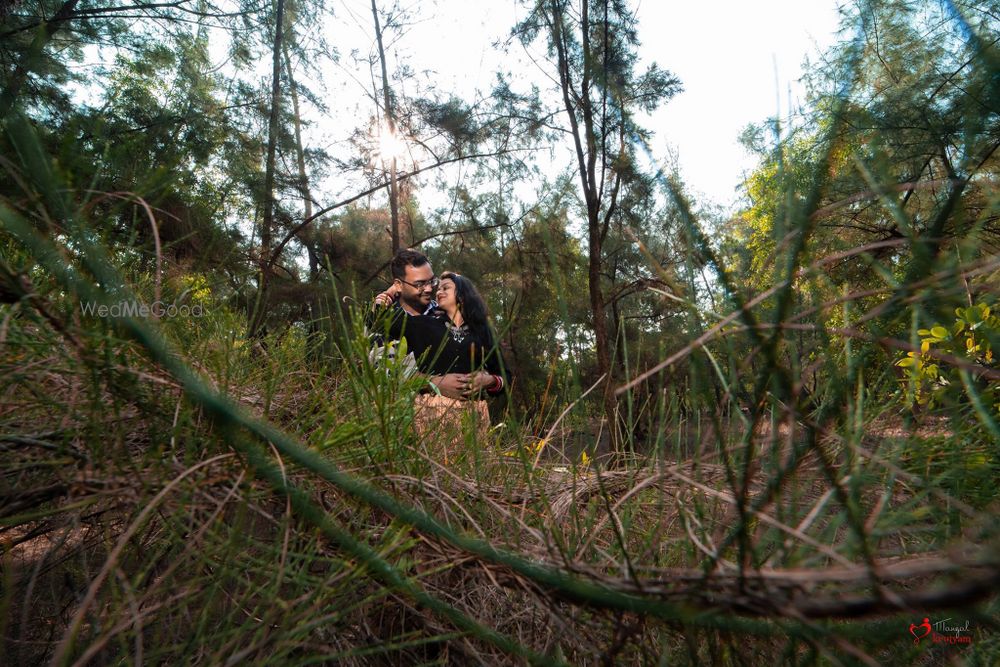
(478, 382)
(452, 385)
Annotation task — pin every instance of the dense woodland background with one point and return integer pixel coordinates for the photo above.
(734, 437)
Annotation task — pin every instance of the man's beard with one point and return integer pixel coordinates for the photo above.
(415, 303)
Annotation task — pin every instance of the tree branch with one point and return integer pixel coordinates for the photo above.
(452, 232)
(350, 200)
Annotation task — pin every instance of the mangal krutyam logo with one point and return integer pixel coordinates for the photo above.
(941, 632)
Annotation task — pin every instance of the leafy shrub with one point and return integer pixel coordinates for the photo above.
(933, 372)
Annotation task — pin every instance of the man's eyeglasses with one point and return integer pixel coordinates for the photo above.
(421, 284)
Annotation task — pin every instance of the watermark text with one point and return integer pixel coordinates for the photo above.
(156, 309)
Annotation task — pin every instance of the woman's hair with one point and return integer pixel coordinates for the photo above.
(472, 307)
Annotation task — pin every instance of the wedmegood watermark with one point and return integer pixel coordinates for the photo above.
(947, 631)
(157, 309)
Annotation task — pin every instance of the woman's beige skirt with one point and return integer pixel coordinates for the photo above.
(442, 423)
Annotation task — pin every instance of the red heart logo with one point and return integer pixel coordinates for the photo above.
(925, 626)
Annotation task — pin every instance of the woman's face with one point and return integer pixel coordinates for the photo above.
(446, 293)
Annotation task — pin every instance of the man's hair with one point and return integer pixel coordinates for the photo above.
(404, 258)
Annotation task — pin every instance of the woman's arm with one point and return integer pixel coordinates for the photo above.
(375, 318)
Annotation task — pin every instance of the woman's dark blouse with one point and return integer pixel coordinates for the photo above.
(441, 348)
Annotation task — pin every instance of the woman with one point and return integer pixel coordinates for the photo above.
(454, 338)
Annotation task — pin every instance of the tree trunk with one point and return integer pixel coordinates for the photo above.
(267, 217)
(300, 155)
(600, 321)
(391, 124)
(587, 150)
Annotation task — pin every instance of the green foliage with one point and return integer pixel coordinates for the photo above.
(930, 377)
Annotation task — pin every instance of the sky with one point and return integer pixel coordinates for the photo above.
(739, 63)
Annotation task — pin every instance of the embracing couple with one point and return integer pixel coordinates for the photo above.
(449, 336)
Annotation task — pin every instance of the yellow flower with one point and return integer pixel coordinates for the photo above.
(584, 459)
(197, 287)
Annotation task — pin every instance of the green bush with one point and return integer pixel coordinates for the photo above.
(936, 370)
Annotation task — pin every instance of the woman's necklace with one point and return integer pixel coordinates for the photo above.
(458, 332)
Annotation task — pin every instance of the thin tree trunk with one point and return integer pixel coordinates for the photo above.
(300, 155)
(587, 150)
(390, 122)
(600, 320)
(267, 218)
(316, 353)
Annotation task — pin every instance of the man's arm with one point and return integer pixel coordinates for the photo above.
(452, 385)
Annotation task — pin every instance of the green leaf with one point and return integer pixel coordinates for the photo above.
(905, 362)
(939, 332)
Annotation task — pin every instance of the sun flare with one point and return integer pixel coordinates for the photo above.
(390, 145)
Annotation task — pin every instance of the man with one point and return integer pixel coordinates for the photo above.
(412, 291)
(413, 281)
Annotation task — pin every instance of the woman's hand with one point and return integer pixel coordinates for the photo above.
(387, 297)
(479, 382)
